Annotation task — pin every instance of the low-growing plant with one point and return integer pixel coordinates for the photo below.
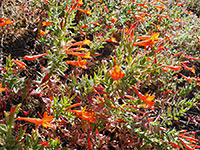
(109, 75)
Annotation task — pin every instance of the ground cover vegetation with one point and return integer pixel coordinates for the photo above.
(81, 74)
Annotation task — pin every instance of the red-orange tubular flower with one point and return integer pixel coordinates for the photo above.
(116, 73)
(174, 68)
(3, 23)
(160, 7)
(177, 20)
(142, 5)
(12, 110)
(72, 106)
(42, 33)
(88, 12)
(84, 55)
(186, 78)
(144, 43)
(145, 98)
(2, 89)
(45, 23)
(80, 2)
(19, 63)
(89, 116)
(80, 63)
(149, 40)
(80, 43)
(189, 68)
(110, 40)
(34, 56)
(192, 58)
(45, 121)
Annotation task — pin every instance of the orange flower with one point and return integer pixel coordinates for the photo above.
(140, 18)
(157, 26)
(72, 8)
(34, 56)
(177, 54)
(1, 20)
(175, 145)
(165, 92)
(43, 33)
(188, 12)
(81, 43)
(95, 23)
(186, 78)
(90, 116)
(6, 69)
(142, 5)
(160, 7)
(12, 110)
(113, 19)
(192, 58)
(20, 64)
(188, 68)
(83, 27)
(44, 143)
(131, 28)
(174, 68)
(186, 146)
(149, 40)
(192, 139)
(79, 63)
(177, 20)
(45, 121)
(75, 49)
(154, 37)
(108, 26)
(144, 14)
(8, 21)
(130, 97)
(164, 16)
(84, 55)
(88, 12)
(110, 40)
(45, 23)
(144, 43)
(72, 106)
(145, 98)
(116, 73)
(2, 89)
(80, 2)
(3, 23)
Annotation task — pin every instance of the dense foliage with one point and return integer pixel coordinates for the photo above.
(101, 74)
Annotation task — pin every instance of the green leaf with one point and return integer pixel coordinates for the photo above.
(142, 61)
(74, 80)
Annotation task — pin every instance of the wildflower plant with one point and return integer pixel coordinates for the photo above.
(110, 74)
